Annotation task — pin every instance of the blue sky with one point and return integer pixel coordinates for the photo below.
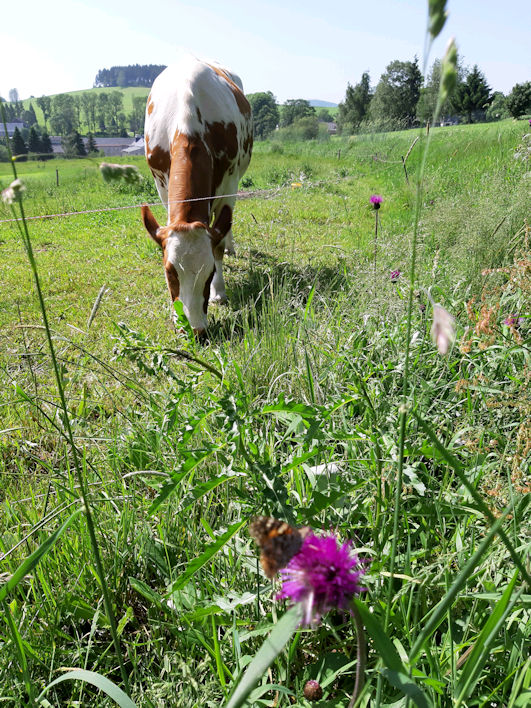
(307, 49)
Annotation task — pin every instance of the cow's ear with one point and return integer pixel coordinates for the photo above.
(151, 224)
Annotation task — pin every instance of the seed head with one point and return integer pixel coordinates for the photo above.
(449, 70)
(437, 17)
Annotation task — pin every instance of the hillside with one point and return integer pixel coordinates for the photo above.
(130, 92)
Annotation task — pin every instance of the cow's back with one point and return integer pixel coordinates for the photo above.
(195, 98)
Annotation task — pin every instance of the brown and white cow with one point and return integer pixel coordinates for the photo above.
(198, 138)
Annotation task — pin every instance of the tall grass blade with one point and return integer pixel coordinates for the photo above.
(207, 554)
(268, 652)
(486, 637)
(31, 561)
(97, 680)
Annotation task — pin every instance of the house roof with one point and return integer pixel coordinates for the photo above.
(11, 127)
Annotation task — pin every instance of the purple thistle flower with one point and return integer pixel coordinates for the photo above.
(321, 576)
(376, 200)
(514, 321)
(395, 275)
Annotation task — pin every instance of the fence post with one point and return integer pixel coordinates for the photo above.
(56, 177)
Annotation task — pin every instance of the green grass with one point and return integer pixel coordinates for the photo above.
(312, 319)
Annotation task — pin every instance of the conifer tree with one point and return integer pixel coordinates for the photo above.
(34, 141)
(472, 96)
(18, 146)
(46, 146)
(91, 144)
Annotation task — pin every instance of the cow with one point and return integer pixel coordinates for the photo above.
(198, 143)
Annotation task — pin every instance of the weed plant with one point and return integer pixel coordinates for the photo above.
(292, 409)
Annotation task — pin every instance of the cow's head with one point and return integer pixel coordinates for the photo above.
(188, 250)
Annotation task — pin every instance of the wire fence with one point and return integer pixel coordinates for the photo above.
(240, 194)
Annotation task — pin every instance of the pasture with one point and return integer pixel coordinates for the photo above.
(291, 409)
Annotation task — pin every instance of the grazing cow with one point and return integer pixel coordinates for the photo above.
(198, 139)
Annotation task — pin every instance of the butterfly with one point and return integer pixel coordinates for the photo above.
(278, 541)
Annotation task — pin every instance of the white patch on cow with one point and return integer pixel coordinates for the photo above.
(191, 255)
(217, 287)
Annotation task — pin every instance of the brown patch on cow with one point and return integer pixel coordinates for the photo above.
(222, 141)
(206, 291)
(172, 279)
(151, 225)
(159, 160)
(243, 103)
(190, 178)
(150, 105)
(247, 145)
(222, 225)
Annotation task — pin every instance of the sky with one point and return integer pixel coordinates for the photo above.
(309, 49)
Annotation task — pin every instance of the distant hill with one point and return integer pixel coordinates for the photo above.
(316, 103)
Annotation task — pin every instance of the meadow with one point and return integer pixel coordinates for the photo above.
(293, 408)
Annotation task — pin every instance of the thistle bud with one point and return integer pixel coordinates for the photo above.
(449, 70)
(313, 691)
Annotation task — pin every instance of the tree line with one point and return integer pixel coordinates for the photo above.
(96, 113)
(131, 75)
(401, 99)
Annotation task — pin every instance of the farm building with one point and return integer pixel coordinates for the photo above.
(11, 127)
(109, 146)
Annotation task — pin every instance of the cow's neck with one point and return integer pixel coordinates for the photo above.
(190, 173)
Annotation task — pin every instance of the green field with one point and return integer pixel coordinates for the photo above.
(305, 367)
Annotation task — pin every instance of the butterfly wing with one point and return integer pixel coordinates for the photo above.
(278, 541)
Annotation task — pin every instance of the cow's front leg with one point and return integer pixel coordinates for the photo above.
(229, 244)
(217, 287)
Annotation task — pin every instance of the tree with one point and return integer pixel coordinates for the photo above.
(102, 107)
(63, 119)
(131, 75)
(45, 104)
(13, 95)
(29, 116)
(91, 144)
(34, 141)
(265, 113)
(356, 104)
(114, 106)
(472, 96)
(136, 117)
(498, 107)
(88, 101)
(73, 145)
(519, 100)
(46, 146)
(18, 146)
(397, 93)
(324, 116)
(294, 109)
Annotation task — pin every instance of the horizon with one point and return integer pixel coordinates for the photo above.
(328, 50)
